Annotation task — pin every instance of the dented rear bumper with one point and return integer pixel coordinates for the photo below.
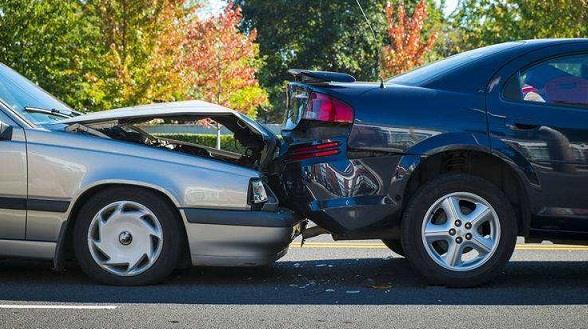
(344, 195)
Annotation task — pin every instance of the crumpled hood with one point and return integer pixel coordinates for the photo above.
(240, 124)
(158, 110)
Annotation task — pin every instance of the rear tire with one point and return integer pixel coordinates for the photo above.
(127, 237)
(395, 246)
(459, 231)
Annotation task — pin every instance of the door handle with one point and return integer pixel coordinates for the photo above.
(522, 126)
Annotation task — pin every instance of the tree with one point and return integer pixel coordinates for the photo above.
(322, 35)
(97, 54)
(140, 50)
(408, 46)
(484, 22)
(221, 62)
(52, 44)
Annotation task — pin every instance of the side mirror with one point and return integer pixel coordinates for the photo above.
(5, 132)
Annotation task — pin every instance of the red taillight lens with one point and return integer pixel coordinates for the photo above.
(323, 107)
(313, 151)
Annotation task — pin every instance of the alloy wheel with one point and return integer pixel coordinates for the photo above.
(461, 231)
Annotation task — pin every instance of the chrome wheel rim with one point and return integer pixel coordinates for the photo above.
(125, 238)
(461, 231)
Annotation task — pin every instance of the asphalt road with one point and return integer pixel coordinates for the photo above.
(323, 285)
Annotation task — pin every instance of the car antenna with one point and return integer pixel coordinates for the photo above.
(375, 39)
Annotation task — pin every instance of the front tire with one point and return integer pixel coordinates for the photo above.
(127, 237)
(459, 231)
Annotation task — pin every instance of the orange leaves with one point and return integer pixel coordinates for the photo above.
(408, 46)
(220, 62)
(161, 50)
(140, 43)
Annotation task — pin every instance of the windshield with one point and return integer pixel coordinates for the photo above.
(19, 93)
(425, 73)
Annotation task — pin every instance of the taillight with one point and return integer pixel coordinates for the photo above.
(323, 107)
(313, 151)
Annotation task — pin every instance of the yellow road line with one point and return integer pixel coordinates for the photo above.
(375, 245)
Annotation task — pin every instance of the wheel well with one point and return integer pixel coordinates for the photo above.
(65, 251)
(480, 164)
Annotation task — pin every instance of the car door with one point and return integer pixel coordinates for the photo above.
(13, 179)
(541, 112)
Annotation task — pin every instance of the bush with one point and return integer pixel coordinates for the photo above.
(228, 142)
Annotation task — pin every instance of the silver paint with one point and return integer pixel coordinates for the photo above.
(64, 166)
(13, 184)
(28, 249)
(44, 225)
(227, 245)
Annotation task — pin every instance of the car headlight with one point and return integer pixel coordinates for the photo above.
(258, 192)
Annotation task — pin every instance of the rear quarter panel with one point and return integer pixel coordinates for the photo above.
(414, 120)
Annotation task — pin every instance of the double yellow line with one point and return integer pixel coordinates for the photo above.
(376, 245)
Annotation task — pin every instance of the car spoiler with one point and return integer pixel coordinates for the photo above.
(308, 76)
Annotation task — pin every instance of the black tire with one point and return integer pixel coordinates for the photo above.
(170, 228)
(395, 246)
(414, 215)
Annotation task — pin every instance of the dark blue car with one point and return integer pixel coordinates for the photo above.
(449, 163)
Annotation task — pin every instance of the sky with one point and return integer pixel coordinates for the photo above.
(450, 6)
(214, 7)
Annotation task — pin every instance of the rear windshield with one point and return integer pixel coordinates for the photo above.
(428, 72)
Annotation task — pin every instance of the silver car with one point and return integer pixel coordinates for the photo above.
(130, 206)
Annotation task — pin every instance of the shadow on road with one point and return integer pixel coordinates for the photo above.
(371, 281)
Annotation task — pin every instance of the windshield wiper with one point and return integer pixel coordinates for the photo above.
(54, 112)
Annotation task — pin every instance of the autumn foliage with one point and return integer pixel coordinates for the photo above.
(101, 54)
(161, 50)
(220, 62)
(408, 46)
(139, 46)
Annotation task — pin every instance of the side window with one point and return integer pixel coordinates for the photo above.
(559, 81)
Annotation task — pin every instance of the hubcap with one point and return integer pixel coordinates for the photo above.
(125, 238)
(461, 231)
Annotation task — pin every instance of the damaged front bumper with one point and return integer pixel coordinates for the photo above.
(240, 237)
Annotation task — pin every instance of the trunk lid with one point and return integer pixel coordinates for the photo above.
(340, 86)
(297, 96)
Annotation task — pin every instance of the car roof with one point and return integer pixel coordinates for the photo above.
(471, 71)
(533, 44)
